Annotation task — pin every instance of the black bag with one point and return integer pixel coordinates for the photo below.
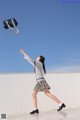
(11, 22)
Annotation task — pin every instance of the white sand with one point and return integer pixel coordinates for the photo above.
(15, 92)
(67, 114)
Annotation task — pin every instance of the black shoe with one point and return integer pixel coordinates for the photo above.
(61, 107)
(34, 111)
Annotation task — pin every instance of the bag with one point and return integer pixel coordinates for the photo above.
(10, 23)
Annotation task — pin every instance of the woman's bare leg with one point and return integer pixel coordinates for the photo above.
(34, 96)
(53, 97)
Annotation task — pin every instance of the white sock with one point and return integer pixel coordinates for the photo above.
(60, 104)
(35, 108)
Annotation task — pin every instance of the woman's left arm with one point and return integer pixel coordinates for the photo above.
(27, 57)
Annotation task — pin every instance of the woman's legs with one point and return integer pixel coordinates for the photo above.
(53, 97)
(49, 94)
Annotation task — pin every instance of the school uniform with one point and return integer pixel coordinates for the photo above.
(41, 83)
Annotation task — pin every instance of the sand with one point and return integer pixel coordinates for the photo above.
(16, 95)
(66, 114)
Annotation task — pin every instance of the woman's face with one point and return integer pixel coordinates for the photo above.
(38, 58)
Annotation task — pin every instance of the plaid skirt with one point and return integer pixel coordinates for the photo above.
(41, 86)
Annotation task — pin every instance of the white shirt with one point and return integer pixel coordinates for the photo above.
(39, 72)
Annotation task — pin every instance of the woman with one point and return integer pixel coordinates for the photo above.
(41, 85)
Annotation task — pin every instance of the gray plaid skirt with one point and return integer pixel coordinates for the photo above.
(41, 86)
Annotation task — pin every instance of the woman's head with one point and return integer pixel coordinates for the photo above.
(40, 58)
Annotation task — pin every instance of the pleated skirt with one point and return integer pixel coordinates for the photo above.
(41, 86)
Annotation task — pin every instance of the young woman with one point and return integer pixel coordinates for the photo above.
(41, 85)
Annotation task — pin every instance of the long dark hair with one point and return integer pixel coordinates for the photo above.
(42, 59)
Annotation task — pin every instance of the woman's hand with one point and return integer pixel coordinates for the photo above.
(22, 51)
(25, 57)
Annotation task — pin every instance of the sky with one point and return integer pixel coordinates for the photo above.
(47, 27)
